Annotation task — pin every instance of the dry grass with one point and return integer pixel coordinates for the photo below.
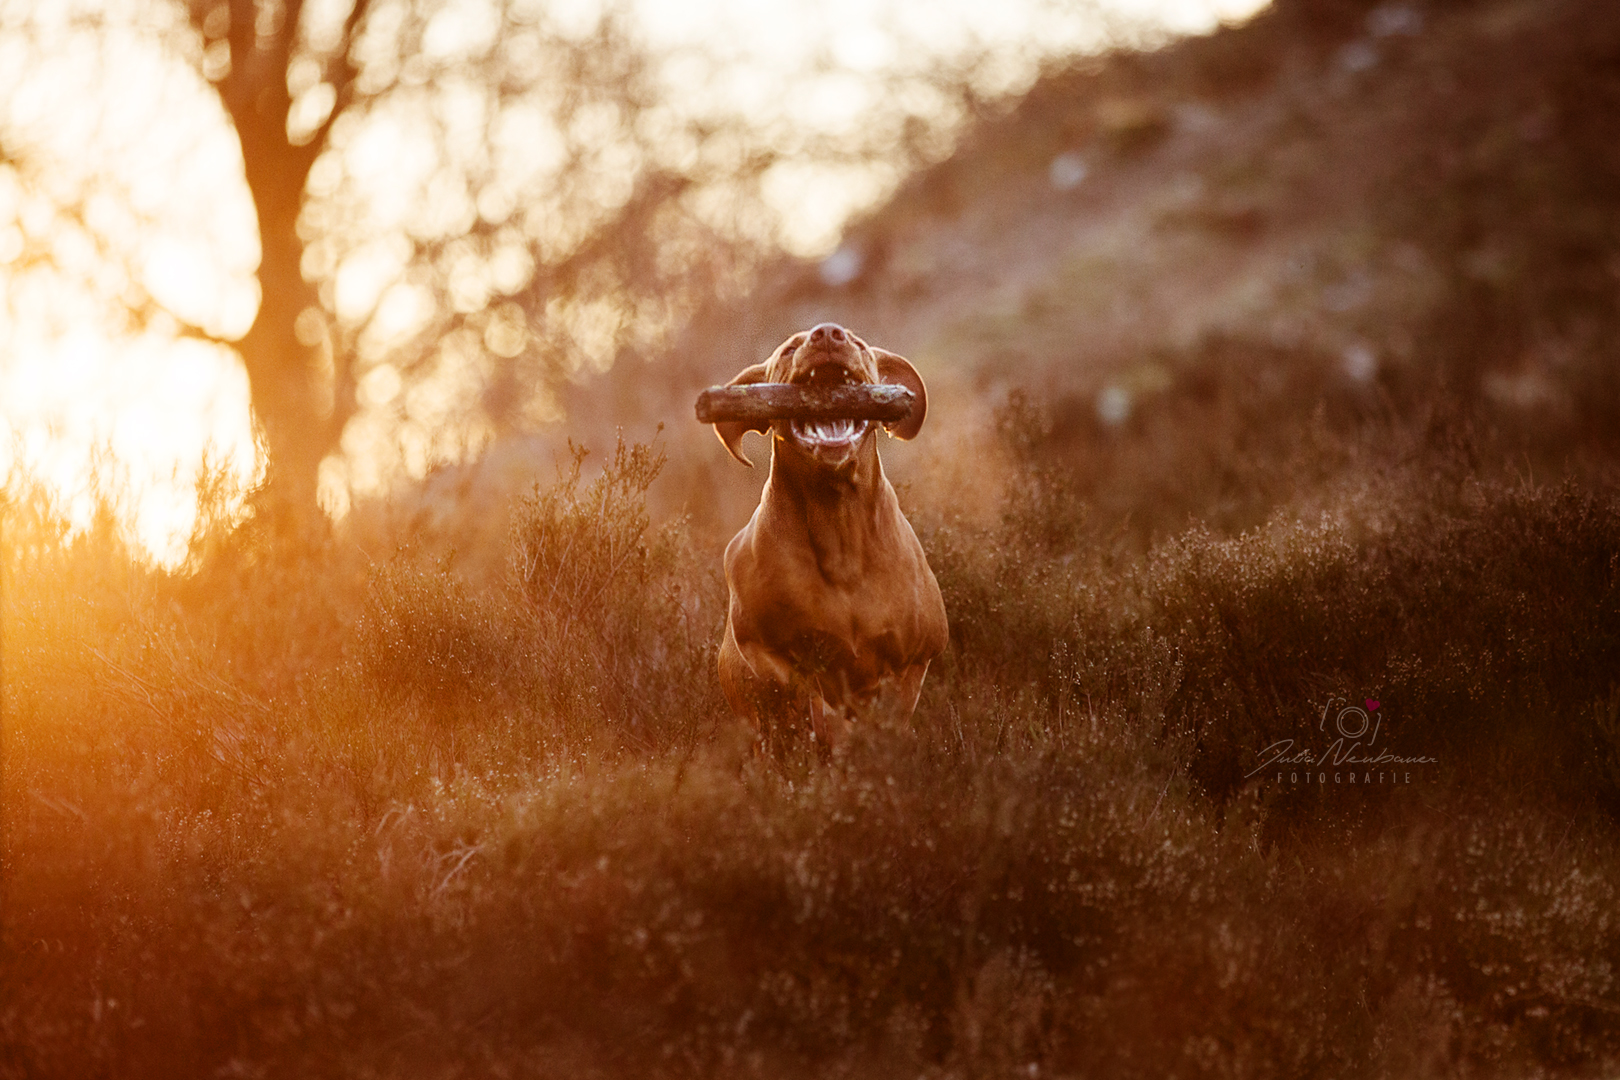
(296, 813)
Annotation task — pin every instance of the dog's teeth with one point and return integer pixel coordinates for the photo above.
(828, 431)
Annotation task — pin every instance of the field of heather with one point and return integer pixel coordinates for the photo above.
(298, 811)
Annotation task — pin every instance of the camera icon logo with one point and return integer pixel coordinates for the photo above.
(1352, 721)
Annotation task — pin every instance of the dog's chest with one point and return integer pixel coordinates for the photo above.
(857, 586)
(848, 559)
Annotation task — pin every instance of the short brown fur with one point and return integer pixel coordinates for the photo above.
(834, 612)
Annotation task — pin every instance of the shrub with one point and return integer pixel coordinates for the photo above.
(625, 619)
(1486, 622)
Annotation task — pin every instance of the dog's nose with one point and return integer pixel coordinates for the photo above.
(828, 330)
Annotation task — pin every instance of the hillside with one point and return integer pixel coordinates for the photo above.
(1369, 209)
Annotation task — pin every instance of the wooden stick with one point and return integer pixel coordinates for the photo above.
(788, 401)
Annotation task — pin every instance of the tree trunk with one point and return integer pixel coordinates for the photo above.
(297, 420)
(299, 412)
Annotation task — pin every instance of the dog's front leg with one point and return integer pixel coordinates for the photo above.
(829, 724)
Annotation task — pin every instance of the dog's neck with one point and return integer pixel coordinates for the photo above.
(842, 513)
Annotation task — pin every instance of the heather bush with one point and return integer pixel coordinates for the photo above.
(418, 854)
(625, 619)
(1485, 620)
(1479, 611)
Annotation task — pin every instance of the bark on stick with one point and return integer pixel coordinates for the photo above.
(788, 401)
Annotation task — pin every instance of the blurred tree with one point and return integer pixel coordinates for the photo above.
(249, 49)
(535, 221)
(459, 203)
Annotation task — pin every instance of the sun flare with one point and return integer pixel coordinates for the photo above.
(97, 395)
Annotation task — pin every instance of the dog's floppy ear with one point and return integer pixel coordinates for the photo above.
(732, 431)
(897, 370)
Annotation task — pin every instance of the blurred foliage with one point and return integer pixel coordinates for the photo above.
(459, 207)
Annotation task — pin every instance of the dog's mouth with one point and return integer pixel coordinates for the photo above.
(828, 435)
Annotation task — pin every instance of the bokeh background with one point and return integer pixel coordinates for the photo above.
(384, 240)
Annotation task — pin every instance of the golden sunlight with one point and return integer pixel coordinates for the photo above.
(129, 249)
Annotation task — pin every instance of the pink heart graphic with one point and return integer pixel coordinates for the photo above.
(1372, 704)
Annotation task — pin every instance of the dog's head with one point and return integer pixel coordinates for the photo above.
(828, 355)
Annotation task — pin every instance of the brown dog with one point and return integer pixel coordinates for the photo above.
(834, 610)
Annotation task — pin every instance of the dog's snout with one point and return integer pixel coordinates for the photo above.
(828, 331)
